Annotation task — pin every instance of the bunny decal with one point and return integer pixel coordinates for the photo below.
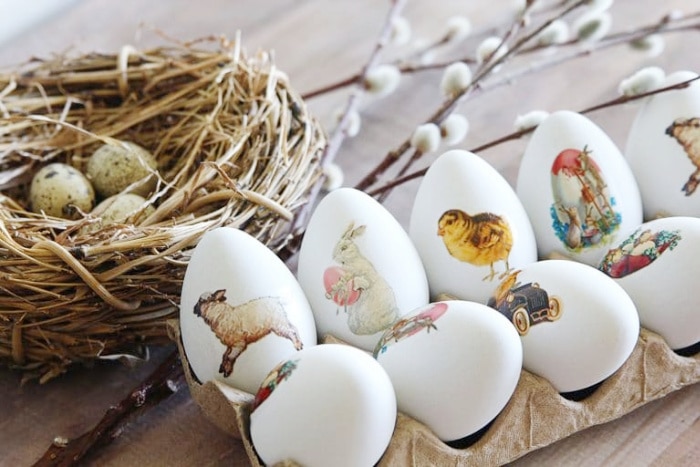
(356, 286)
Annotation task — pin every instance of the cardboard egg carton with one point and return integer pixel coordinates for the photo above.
(535, 416)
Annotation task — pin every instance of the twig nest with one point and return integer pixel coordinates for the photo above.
(205, 135)
(119, 166)
(60, 190)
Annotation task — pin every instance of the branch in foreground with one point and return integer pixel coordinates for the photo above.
(167, 379)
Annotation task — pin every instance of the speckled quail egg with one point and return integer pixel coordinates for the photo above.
(114, 167)
(121, 208)
(60, 190)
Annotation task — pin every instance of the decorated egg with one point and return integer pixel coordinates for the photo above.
(469, 227)
(577, 188)
(657, 266)
(358, 268)
(577, 326)
(331, 404)
(454, 365)
(663, 150)
(241, 310)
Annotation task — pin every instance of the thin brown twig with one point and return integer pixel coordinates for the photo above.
(520, 133)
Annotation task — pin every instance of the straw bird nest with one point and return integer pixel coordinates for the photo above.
(234, 145)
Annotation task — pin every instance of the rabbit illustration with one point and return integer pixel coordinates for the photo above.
(375, 308)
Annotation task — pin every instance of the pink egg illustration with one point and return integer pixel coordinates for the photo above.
(339, 286)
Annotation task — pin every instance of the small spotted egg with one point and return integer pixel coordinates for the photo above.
(114, 167)
(119, 209)
(60, 190)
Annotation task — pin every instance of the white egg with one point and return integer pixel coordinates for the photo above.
(332, 404)
(241, 310)
(577, 188)
(358, 268)
(658, 267)
(663, 150)
(454, 365)
(577, 325)
(469, 227)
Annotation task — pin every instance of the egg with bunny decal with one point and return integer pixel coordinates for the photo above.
(358, 268)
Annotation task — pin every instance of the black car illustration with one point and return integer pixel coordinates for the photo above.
(526, 305)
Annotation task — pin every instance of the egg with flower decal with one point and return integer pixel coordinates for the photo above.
(657, 266)
(663, 149)
(241, 310)
(358, 268)
(577, 325)
(453, 364)
(577, 188)
(331, 404)
(469, 227)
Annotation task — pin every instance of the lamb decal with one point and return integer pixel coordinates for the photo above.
(238, 326)
(357, 287)
(686, 131)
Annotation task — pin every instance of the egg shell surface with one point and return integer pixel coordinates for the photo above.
(454, 365)
(469, 227)
(663, 149)
(57, 189)
(358, 268)
(658, 267)
(241, 310)
(577, 188)
(577, 325)
(331, 404)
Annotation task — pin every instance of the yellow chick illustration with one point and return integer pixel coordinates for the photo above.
(481, 239)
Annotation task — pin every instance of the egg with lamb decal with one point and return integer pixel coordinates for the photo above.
(658, 267)
(241, 310)
(469, 227)
(663, 149)
(358, 268)
(577, 188)
(577, 325)
(454, 365)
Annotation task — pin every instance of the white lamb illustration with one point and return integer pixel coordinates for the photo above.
(375, 308)
(686, 131)
(239, 326)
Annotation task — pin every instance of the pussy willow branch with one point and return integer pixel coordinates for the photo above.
(520, 133)
(336, 138)
(448, 105)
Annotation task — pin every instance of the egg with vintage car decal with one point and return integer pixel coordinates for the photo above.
(577, 188)
(454, 365)
(663, 149)
(358, 268)
(241, 310)
(658, 267)
(469, 227)
(577, 326)
(331, 404)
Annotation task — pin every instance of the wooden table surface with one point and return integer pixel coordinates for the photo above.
(316, 42)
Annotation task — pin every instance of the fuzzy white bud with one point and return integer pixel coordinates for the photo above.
(455, 79)
(382, 80)
(645, 80)
(592, 25)
(556, 33)
(454, 129)
(333, 177)
(458, 28)
(652, 45)
(490, 49)
(400, 31)
(530, 120)
(352, 124)
(426, 138)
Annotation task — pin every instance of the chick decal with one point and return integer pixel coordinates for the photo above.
(481, 239)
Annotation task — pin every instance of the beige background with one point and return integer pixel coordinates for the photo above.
(316, 42)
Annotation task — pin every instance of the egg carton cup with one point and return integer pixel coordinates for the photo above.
(535, 416)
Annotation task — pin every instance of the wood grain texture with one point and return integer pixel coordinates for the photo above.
(316, 42)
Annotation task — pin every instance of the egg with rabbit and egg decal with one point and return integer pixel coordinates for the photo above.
(551, 275)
